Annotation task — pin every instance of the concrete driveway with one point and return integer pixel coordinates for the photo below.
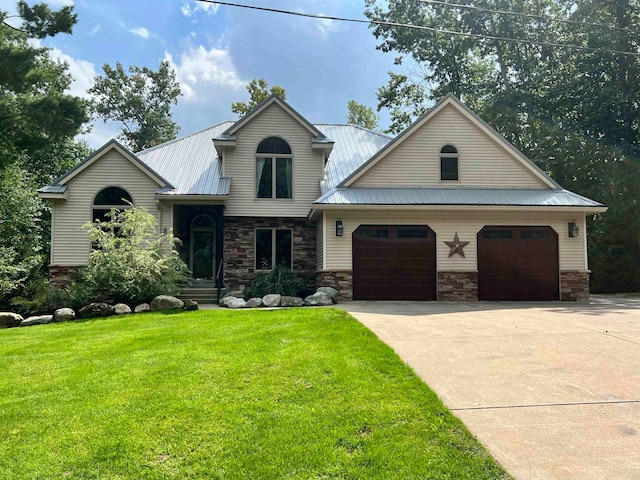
(551, 389)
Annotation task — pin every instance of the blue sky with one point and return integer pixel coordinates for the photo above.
(216, 50)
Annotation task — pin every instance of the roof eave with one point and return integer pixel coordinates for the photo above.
(530, 208)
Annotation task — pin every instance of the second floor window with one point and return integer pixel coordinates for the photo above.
(449, 163)
(274, 169)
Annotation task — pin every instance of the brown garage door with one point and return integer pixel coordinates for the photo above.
(518, 263)
(394, 262)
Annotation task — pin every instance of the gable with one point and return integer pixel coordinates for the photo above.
(485, 159)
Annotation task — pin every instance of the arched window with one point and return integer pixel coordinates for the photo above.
(108, 198)
(449, 163)
(274, 169)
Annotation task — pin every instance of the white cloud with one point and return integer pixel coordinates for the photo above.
(83, 73)
(322, 27)
(190, 8)
(140, 31)
(95, 30)
(200, 70)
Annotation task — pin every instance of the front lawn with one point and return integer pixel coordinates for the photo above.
(308, 394)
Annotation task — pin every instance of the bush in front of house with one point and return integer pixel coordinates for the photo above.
(279, 280)
(131, 262)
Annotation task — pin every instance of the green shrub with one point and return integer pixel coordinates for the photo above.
(279, 280)
(131, 262)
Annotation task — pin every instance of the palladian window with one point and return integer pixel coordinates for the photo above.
(449, 163)
(108, 198)
(274, 169)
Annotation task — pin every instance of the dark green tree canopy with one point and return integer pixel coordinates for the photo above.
(362, 115)
(259, 91)
(141, 101)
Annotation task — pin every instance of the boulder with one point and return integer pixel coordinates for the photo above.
(254, 303)
(271, 300)
(64, 315)
(234, 293)
(96, 309)
(333, 293)
(318, 298)
(121, 309)
(36, 320)
(143, 307)
(286, 301)
(190, 304)
(237, 303)
(165, 302)
(225, 301)
(10, 319)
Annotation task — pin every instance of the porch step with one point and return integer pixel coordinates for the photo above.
(202, 295)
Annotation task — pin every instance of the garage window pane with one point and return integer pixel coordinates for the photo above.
(264, 249)
(535, 235)
(373, 233)
(412, 233)
(497, 234)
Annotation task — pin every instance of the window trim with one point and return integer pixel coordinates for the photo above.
(273, 247)
(274, 160)
(455, 155)
(95, 207)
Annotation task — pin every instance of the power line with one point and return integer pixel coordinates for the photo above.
(421, 27)
(546, 18)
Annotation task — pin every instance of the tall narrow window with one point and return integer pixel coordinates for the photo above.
(449, 163)
(273, 247)
(108, 198)
(274, 169)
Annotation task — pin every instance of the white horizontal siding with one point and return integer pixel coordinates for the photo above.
(320, 243)
(446, 225)
(70, 245)
(240, 165)
(482, 162)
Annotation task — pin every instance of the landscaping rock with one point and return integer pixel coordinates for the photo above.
(318, 298)
(333, 293)
(36, 320)
(237, 303)
(96, 309)
(254, 303)
(291, 301)
(271, 300)
(190, 304)
(10, 320)
(234, 293)
(143, 307)
(64, 315)
(165, 302)
(121, 309)
(225, 301)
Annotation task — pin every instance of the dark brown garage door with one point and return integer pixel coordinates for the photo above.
(394, 263)
(518, 263)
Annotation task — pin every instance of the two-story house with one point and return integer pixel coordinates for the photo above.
(447, 210)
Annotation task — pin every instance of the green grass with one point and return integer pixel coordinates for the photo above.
(305, 394)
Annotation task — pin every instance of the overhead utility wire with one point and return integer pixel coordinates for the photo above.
(546, 18)
(420, 27)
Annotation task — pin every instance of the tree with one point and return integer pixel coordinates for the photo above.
(362, 115)
(574, 112)
(258, 92)
(140, 100)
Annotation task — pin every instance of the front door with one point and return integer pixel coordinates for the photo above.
(202, 258)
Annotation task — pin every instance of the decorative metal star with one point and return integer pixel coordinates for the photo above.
(456, 246)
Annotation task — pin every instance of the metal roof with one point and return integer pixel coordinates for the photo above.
(190, 163)
(53, 189)
(455, 196)
(353, 147)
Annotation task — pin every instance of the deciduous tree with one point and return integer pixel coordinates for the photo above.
(362, 115)
(259, 91)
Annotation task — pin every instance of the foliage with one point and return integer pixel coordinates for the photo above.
(279, 280)
(39, 21)
(258, 92)
(131, 262)
(21, 258)
(140, 101)
(223, 394)
(574, 112)
(362, 115)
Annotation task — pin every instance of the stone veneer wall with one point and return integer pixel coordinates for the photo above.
(61, 275)
(239, 248)
(458, 286)
(574, 286)
(341, 281)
